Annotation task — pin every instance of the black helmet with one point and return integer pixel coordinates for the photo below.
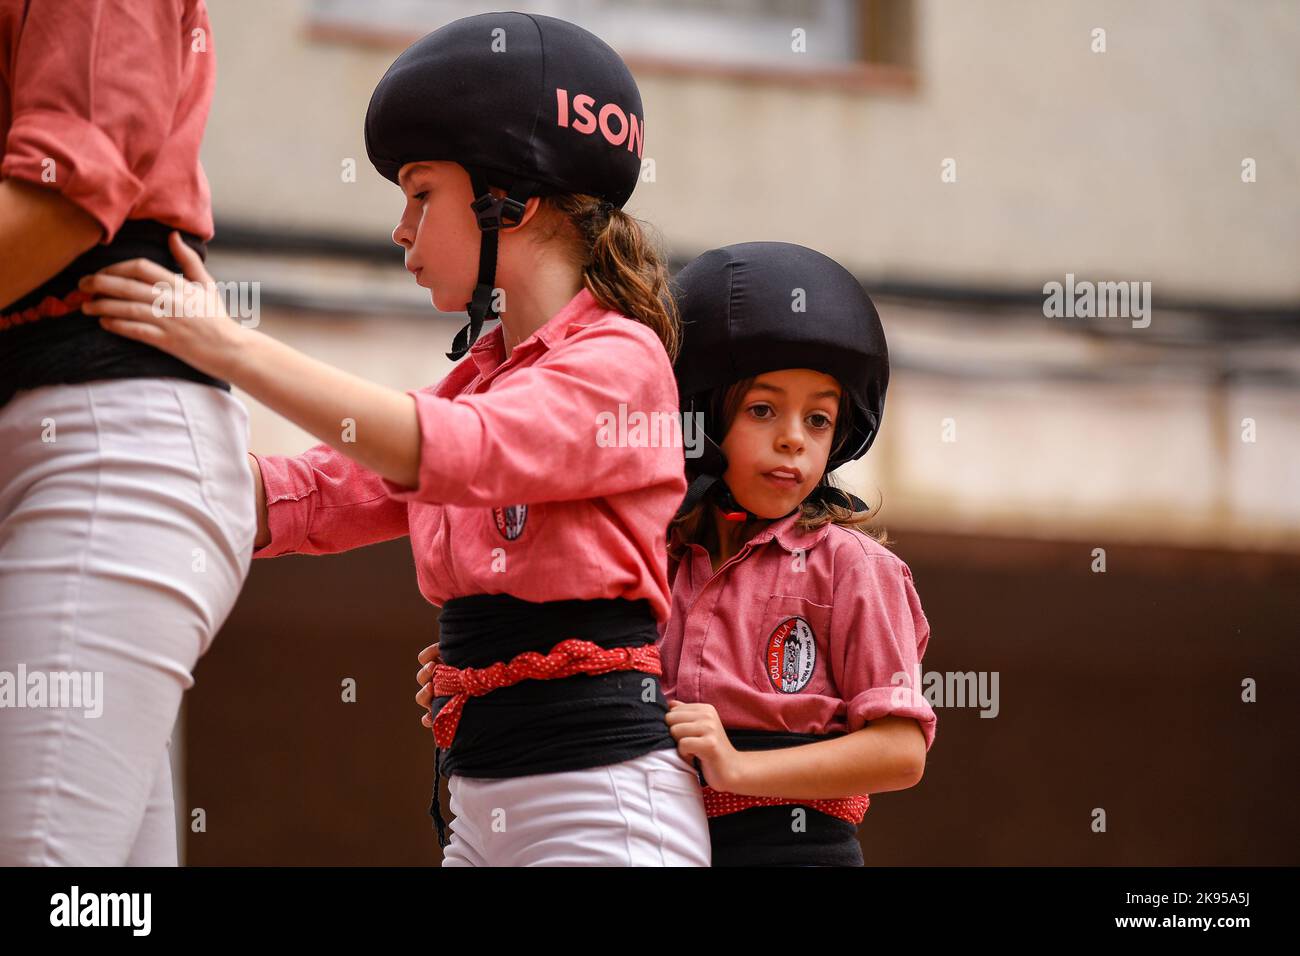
(526, 103)
(761, 306)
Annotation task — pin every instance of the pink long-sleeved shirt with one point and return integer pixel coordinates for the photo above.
(105, 101)
(807, 632)
(520, 490)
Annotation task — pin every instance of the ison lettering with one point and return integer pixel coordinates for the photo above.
(612, 121)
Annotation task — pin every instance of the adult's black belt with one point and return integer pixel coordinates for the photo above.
(45, 338)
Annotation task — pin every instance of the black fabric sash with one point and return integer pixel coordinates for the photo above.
(762, 836)
(547, 726)
(70, 348)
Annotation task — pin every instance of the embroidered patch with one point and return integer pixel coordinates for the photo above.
(791, 655)
(510, 521)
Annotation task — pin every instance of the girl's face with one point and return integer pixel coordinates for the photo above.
(440, 234)
(780, 439)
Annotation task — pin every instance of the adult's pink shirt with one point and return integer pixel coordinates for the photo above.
(105, 101)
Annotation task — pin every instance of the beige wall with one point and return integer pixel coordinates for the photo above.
(1123, 165)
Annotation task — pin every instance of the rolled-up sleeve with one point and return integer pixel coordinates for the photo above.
(550, 431)
(879, 635)
(323, 502)
(95, 90)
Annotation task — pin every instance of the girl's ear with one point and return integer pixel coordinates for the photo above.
(530, 209)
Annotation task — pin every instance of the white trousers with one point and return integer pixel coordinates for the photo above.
(126, 532)
(647, 811)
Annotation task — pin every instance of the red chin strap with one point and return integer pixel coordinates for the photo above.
(733, 510)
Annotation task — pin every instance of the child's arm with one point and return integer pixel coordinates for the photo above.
(888, 755)
(379, 424)
(331, 498)
(879, 634)
(320, 502)
(263, 536)
(535, 437)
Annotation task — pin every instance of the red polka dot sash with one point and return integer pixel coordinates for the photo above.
(48, 307)
(718, 803)
(569, 657)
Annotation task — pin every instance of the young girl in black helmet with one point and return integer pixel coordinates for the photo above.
(792, 652)
(516, 140)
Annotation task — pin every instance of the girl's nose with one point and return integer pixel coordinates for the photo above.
(791, 437)
(401, 235)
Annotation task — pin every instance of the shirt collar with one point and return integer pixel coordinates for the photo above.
(490, 350)
(785, 533)
(788, 535)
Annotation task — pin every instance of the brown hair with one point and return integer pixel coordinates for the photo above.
(622, 266)
(692, 528)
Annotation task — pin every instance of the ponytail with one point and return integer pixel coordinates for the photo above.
(621, 266)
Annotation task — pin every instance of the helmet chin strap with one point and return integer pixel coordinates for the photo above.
(492, 213)
(713, 487)
(733, 510)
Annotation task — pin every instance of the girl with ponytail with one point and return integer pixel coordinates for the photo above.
(516, 141)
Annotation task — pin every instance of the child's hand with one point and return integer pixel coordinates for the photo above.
(136, 299)
(699, 733)
(429, 658)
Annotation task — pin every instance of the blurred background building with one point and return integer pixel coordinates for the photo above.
(959, 157)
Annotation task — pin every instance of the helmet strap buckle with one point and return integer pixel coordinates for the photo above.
(494, 212)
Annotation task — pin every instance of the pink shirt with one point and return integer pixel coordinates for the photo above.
(518, 492)
(116, 95)
(798, 632)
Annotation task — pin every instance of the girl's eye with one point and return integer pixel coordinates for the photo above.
(823, 418)
(755, 408)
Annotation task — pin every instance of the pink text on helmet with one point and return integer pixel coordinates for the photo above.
(615, 125)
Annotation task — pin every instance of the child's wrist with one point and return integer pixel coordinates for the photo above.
(235, 355)
(739, 772)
